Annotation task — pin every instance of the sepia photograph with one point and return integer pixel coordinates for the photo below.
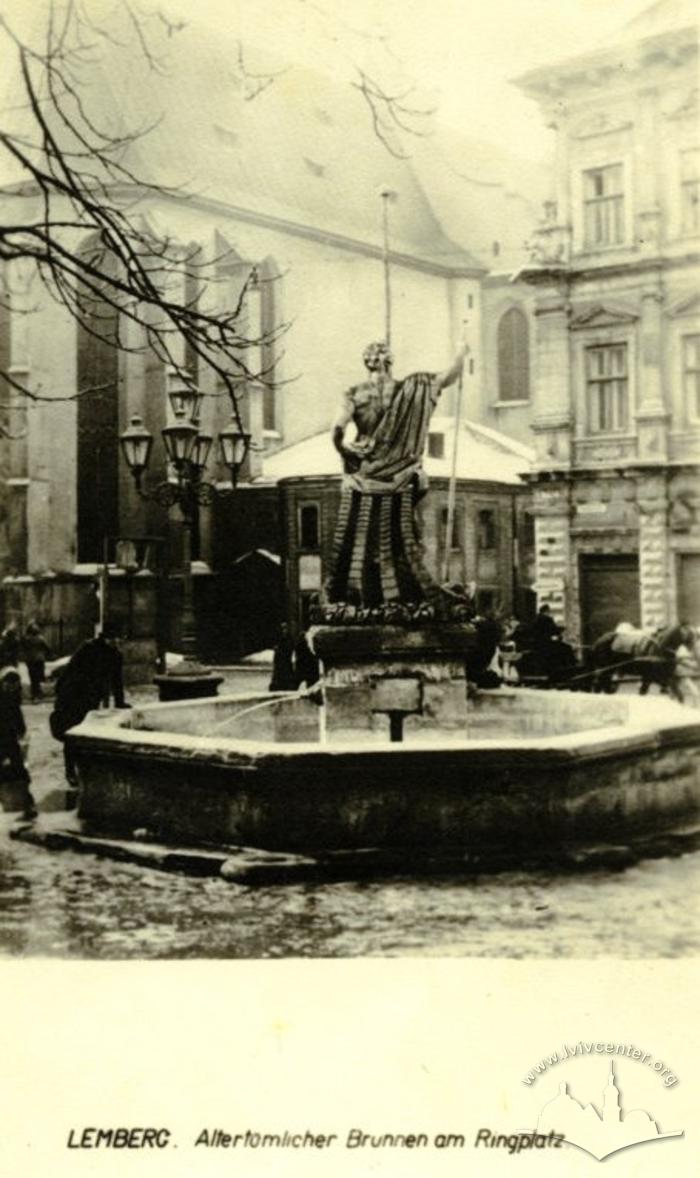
(349, 484)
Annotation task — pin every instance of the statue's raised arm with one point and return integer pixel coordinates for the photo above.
(450, 375)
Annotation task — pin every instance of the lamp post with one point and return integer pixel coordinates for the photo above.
(188, 449)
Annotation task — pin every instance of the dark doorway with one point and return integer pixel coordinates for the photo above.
(688, 595)
(609, 593)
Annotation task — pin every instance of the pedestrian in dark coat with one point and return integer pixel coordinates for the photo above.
(283, 673)
(35, 652)
(91, 678)
(14, 775)
(9, 646)
(544, 628)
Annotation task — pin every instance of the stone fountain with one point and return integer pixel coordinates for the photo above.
(400, 759)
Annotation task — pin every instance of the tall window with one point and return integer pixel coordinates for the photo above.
(253, 296)
(513, 357)
(192, 291)
(691, 375)
(486, 530)
(436, 445)
(690, 190)
(607, 388)
(97, 467)
(309, 531)
(454, 538)
(603, 206)
(527, 530)
(269, 278)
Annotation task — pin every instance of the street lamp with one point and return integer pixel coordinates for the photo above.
(188, 449)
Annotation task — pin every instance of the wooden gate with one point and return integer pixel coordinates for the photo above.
(609, 587)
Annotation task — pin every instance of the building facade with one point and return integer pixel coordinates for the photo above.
(611, 302)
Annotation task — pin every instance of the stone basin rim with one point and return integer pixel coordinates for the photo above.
(656, 724)
(640, 773)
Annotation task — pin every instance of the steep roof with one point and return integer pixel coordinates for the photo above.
(489, 198)
(483, 455)
(303, 152)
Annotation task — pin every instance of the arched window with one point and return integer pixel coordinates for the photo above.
(269, 276)
(513, 357)
(98, 417)
(257, 314)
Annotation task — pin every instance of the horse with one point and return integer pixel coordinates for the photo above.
(650, 657)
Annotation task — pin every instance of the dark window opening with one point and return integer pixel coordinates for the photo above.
(454, 538)
(527, 530)
(436, 445)
(309, 529)
(486, 527)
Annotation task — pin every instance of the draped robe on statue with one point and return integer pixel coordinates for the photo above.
(377, 554)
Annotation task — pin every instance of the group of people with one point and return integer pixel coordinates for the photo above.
(91, 678)
(30, 648)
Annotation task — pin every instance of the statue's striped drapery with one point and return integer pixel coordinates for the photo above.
(377, 554)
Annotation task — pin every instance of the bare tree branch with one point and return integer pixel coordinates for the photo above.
(79, 219)
(255, 83)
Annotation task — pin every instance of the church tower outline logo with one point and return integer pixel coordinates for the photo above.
(600, 1134)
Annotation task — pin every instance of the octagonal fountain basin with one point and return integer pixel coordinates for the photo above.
(530, 770)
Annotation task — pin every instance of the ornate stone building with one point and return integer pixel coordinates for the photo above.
(614, 306)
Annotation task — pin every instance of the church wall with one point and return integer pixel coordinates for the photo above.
(333, 300)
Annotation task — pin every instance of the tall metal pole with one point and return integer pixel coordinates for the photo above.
(387, 195)
(452, 491)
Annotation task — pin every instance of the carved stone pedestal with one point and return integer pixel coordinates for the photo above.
(375, 674)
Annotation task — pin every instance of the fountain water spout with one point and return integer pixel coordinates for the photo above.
(398, 697)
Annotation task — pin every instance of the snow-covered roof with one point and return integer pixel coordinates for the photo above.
(302, 153)
(483, 455)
